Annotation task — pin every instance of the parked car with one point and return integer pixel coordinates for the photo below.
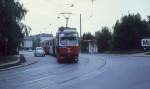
(30, 50)
(39, 51)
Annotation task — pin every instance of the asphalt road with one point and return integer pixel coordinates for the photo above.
(94, 71)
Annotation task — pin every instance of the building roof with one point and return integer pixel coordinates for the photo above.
(38, 36)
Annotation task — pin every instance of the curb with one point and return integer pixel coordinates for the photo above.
(21, 65)
(19, 62)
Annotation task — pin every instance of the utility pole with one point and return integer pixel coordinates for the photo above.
(80, 25)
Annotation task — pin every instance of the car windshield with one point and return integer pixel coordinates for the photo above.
(39, 48)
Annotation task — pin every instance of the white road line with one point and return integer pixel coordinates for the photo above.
(36, 80)
(35, 69)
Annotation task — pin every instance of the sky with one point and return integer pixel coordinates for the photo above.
(43, 15)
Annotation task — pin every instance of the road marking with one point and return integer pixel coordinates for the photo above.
(40, 79)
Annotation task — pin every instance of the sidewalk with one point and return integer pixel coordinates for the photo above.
(15, 61)
(9, 61)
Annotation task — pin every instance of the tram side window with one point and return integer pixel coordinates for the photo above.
(50, 43)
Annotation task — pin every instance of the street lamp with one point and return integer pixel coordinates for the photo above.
(92, 1)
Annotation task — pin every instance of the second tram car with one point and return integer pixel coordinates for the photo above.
(49, 46)
(45, 45)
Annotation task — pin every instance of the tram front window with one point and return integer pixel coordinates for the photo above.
(68, 41)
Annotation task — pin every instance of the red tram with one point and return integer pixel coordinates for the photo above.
(65, 46)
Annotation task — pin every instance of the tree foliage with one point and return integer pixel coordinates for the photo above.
(103, 39)
(11, 28)
(129, 31)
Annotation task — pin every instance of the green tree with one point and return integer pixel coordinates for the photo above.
(148, 17)
(129, 31)
(11, 30)
(103, 39)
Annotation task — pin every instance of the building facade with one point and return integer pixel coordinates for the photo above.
(28, 43)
